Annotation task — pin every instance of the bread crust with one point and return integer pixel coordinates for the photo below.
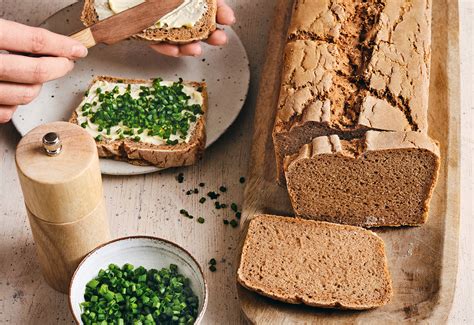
(347, 156)
(248, 253)
(353, 66)
(145, 154)
(200, 31)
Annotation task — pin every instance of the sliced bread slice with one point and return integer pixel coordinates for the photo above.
(145, 150)
(201, 29)
(382, 179)
(315, 263)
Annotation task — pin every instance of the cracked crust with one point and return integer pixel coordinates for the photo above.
(145, 154)
(315, 263)
(351, 67)
(200, 31)
(382, 179)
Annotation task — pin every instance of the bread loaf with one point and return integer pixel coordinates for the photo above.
(315, 263)
(383, 179)
(352, 66)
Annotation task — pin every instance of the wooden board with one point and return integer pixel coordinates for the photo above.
(422, 260)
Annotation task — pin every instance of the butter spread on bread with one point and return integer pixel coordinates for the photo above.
(186, 15)
(92, 103)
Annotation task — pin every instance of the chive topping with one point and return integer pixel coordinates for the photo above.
(164, 111)
(242, 180)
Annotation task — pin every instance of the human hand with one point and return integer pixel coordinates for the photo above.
(225, 16)
(21, 76)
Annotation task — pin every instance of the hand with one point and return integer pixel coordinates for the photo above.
(225, 16)
(21, 76)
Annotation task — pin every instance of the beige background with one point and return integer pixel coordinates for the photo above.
(149, 204)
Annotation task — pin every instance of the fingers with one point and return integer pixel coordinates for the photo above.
(12, 94)
(22, 69)
(166, 49)
(6, 113)
(225, 14)
(21, 38)
(191, 49)
(218, 37)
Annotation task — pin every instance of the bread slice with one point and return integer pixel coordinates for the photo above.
(315, 263)
(162, 156)
(382, 179)
(201, 30)
(353, 66)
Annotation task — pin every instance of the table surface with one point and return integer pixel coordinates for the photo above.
(149, 204)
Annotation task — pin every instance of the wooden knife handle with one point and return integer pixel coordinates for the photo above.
(85, 37)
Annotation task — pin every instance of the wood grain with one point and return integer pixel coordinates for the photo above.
(61, 246)
(85, 37)
(64, 188)
(422, 260)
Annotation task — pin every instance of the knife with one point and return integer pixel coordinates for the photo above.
(127, 23)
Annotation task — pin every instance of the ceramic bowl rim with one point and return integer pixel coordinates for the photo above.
(204, 305)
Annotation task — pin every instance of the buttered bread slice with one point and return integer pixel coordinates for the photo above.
(382, 179)
(192, 21)
(145, 122)
(315, 263)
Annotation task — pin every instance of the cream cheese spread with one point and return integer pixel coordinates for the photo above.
(93, 98)
(186, 15)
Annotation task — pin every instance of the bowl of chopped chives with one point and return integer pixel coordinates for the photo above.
(138, 280)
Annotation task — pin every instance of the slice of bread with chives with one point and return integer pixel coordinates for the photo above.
(201, 30)
(138, 145)
(316, 263)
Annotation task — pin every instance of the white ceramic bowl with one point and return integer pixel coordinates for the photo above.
(149, 252)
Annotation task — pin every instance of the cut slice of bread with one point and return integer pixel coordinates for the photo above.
(382, 179)
(315, 263)
(201, 30)
(162, 156)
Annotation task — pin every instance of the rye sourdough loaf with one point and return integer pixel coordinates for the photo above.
(164, 155)
(201, 30)
(382, 179)
(351, 66)
(315, 263)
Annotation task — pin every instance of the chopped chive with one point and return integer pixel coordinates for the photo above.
(238, 215)
(201, 184)
(212, 261)
(234, 207)
(180, 177)
(202, 200)
(234, 223)
(201, 220)
(242, 180)
(223, 189)
(212, 268)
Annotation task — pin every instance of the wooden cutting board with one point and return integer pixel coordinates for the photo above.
(422, 260)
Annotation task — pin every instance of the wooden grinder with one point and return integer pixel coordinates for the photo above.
(59, 173)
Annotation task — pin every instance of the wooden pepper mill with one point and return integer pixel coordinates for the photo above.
(59, 173)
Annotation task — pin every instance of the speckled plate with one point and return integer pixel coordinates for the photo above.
(225, 69)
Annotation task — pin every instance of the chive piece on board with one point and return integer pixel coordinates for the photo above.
(201, 220)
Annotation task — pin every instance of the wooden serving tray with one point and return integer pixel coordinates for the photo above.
(422, 260)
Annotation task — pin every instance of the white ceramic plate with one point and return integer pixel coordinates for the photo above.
(149, 252)
(225, 69)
